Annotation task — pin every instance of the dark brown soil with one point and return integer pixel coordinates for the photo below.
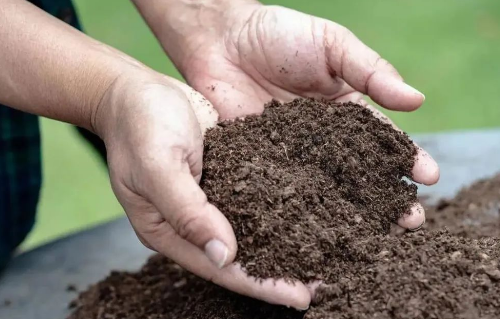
(163, 290)
(420, 275)
(473, 213)
(311, 189)
(304, 180)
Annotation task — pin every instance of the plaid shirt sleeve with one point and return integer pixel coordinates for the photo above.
(20, 158)
(20, 177)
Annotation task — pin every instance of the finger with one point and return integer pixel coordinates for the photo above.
(167, 241)
(144, 241)
(364, 70)
(425, 170)
(182, 203)
(278, 292)
(414, 219)
(168, 169)
(313, 288)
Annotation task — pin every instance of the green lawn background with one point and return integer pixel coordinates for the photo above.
(448, 49)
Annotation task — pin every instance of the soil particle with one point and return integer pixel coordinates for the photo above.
(311, 188)
(71, 288)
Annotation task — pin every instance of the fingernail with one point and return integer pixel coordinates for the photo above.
(301, 309)
(418, 228)
(217, 252)
(414, 90)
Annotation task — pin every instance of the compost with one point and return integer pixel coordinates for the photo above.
(311, 189)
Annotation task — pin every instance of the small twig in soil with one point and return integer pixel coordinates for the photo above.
(286, 153)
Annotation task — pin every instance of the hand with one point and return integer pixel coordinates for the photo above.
(254, 53)
(153, 128)
(241, 54)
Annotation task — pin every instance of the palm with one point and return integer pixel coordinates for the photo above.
(278, 53)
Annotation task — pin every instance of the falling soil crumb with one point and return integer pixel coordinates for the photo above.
(7, 303)
(73, 304)
(71, 288)
(311, 189)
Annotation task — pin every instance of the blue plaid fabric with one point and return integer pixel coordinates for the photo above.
(20, 158)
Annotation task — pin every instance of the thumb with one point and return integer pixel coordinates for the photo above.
(184, 206)
(364, 70)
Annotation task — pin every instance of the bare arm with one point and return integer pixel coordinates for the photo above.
(50, 69)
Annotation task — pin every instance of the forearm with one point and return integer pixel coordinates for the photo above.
(50, 69)
(181, 25)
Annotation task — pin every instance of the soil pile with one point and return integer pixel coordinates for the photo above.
(421, 275)
(473, 213)
(311, 189)
(417, 275)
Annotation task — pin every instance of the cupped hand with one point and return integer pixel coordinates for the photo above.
(152, 127)
(257, 53)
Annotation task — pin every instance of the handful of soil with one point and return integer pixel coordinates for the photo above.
(303, 181)
(311, 189)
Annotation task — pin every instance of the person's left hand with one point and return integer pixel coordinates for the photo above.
(249, 54)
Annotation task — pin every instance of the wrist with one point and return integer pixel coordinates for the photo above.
(125, 100)
(182, 26)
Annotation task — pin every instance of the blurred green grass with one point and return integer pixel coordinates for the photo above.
(448, 49)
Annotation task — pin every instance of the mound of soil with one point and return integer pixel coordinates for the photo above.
(303, 181)
(311, 188)
(434, 275)
(473, 213)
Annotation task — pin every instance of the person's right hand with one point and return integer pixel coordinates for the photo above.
(152, 127)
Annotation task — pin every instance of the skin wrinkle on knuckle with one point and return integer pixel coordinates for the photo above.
(370, 75)
(327, 47)
(195, 162)
(343, 58)
(188, 224)
(147, 225)
(341, 45)
(180, 153)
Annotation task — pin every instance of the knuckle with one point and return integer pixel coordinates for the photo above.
(385, 66)
(145, 243)
(188, 225)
